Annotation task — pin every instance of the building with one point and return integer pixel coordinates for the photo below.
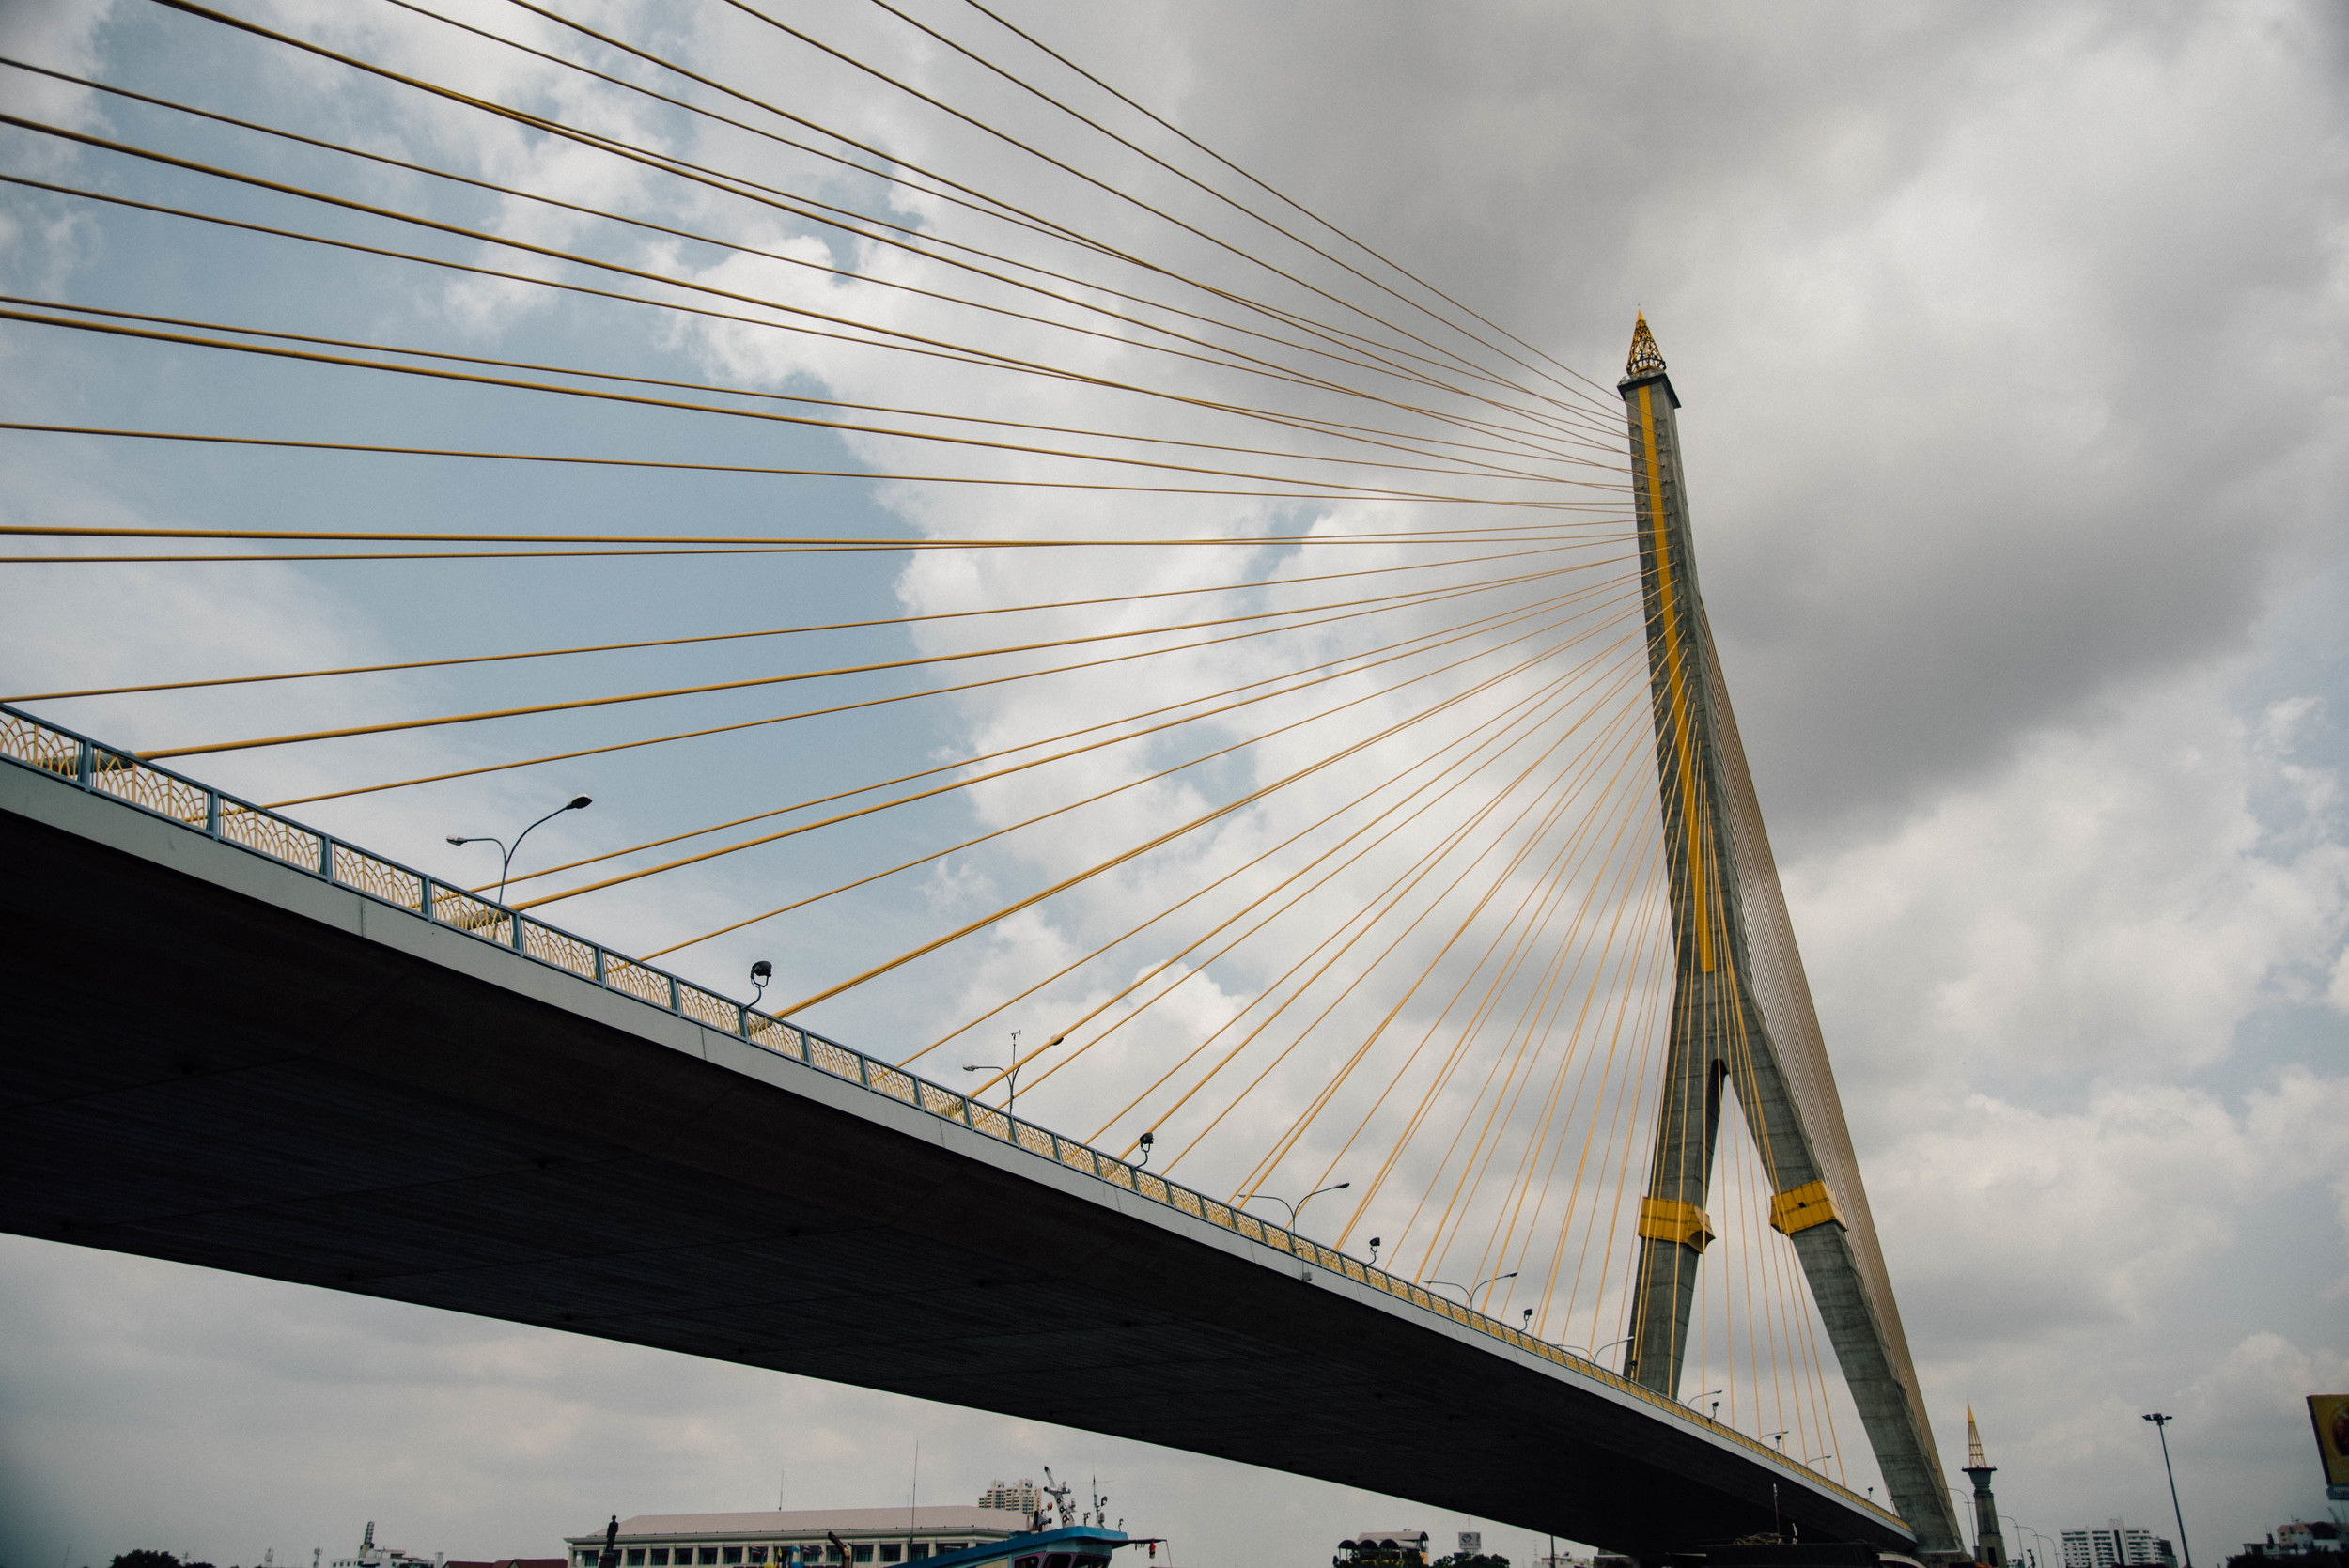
(1021, 1496)
(512, 1562)
(2303, 1536)
(2299, 1538)
(1382, 1548)
(372, 1556)
(2116, 1546)
(779, 1539)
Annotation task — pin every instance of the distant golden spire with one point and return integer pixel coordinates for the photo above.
(1974, 1461)
(1645, 356)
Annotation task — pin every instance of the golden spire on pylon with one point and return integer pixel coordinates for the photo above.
(1645, 356)
(1974, 1461)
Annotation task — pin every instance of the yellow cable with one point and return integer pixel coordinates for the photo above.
(1388, 652)
(1002, 772)
(787, 718)
(1252, 904)
(1112, 863)
(1526, 712)
(1193, 1142)
(980, 481)
(1300, 1124)
(509, 384)
(1391, 601)
(1479, 466)
(740, 636)
(1425, 859)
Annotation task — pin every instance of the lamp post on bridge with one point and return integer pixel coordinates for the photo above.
(1011, 1075)
(1298, 1208)
(2036, 1535)
(1468, 1296)
(506, 852)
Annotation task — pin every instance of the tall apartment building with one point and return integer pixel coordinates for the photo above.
(1019, 1495)
(2116, 1546)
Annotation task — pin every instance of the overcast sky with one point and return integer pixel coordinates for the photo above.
(2013, 342)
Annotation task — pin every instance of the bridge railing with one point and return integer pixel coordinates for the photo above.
(77, 761)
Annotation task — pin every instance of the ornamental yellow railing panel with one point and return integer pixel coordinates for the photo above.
(463, 910)
(271, 834)
(128, 779)
(382, 880)
(559, 947)
(836, 1059)
(35, 745)
(635, 980)
(896, 1085)
(781, 1038)
(706, 1008)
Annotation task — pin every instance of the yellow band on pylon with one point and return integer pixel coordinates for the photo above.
(1801, 1207)
(1670, 1219)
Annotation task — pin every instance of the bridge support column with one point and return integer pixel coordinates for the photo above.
(1674, 1228)
(1743, 1015)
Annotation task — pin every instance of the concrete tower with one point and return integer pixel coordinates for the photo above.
(1742, 1022)
(1989, 1546)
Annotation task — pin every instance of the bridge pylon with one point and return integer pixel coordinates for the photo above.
(1742, 1017)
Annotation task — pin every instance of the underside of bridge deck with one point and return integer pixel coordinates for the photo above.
(222, 1061)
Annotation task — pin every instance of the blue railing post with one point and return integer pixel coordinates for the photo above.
(84, 765)
(212, 812)
(326, 858)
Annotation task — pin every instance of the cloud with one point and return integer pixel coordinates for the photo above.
(2013, 346)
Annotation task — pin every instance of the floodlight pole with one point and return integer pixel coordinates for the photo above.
(2160, 1424)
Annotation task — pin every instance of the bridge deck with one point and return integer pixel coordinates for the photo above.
(225, 1060)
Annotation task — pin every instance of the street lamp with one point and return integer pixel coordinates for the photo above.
(1011, 1075)
(505, 852)
(2160, 1424)
(1298, 1207)
(1468, 1296)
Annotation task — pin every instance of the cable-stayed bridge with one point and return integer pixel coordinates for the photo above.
(1296, 688)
